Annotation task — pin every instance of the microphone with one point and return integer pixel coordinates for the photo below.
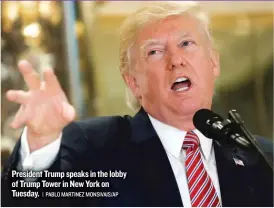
(231, 133)
(224, 131)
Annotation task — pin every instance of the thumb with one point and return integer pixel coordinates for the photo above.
(68, 112)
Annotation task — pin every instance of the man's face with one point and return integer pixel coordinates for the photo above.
(174, 68)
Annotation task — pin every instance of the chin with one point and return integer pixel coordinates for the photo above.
(190, 108)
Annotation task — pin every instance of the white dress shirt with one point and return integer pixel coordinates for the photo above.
(40, 159)
(171, 138)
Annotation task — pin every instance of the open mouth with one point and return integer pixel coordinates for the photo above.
(181, 84)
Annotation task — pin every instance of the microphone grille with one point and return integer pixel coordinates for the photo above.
(200, 119)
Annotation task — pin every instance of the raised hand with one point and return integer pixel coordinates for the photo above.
(44, 109)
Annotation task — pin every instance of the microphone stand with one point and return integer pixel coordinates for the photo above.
(236, 119)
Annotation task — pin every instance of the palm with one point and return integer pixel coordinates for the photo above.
(44, 108)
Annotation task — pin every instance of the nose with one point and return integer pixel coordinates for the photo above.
(176, 60)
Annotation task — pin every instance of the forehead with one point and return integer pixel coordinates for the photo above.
(172, 26)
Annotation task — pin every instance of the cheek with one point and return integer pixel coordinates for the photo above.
(208, 82)
(153, 77)
(198, 60)
(204, 71)
(144, 82)
(150, 84)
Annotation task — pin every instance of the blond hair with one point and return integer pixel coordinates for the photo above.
(146, 15)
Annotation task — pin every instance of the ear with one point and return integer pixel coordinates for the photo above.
(215, 60)
(131, 82)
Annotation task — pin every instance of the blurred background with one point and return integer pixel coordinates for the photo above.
(79, 40)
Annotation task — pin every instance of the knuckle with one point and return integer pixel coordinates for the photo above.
(21, 92)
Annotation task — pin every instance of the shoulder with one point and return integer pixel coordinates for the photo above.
(102, 124)
(266, 144)
(97, 130)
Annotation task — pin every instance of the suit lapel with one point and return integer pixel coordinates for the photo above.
(157, 178)
(235, 187)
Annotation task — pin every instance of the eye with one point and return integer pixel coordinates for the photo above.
(154, 52)
(186, 43)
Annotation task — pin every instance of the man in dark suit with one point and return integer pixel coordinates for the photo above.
(169, 65)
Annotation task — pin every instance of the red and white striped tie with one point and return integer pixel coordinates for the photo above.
(201, 189)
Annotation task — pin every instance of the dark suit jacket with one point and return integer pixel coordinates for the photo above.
(132, 145)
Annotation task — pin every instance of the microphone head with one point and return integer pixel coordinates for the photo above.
(203, 119)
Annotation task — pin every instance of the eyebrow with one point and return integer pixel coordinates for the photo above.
(149, 42)
(182, 34)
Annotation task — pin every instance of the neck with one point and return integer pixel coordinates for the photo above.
(182, 122)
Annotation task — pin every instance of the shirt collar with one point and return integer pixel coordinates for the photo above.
(173, 138)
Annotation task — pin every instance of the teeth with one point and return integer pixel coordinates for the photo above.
(182, 89)
(181, 79)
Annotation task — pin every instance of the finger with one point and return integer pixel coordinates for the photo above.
(30, 76)
(17, 96)
(20, 119)
(51, 80)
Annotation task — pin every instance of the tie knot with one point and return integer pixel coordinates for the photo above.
(191, 140)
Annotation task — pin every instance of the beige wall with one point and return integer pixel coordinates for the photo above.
(109, 85)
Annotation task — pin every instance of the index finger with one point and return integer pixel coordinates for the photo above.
(30, 76)
(51, 80)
